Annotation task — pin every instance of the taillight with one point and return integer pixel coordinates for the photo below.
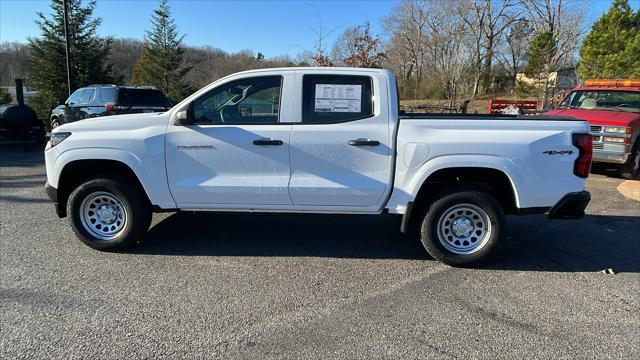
(112, 107)
(582, 165)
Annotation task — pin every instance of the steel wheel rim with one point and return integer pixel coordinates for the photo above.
(464, 229)
(103, 215)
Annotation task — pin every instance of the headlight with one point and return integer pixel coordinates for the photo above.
(618, 129)
(619, 140)
(58, 137)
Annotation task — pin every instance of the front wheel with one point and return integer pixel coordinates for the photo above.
(109, 214)
(631, 169)
(462, 227)
(55, 123)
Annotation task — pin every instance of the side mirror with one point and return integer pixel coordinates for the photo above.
(183, 118)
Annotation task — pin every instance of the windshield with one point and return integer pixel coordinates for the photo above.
(142, 97)
(612, 100)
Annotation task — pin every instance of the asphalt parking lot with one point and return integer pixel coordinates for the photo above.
(308, 286)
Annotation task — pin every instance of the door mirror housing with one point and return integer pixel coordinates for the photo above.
(184, 117)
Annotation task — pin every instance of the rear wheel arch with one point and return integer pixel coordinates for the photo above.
(493, 181)
(76, 172)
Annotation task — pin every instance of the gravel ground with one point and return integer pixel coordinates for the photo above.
(309, 286)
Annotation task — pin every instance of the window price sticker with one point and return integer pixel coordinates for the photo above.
(338, 98)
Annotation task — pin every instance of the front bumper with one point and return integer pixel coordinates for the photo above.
(53, 195)
(610, 157)
(571, 206)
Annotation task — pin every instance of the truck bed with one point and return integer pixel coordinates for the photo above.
(431, 116)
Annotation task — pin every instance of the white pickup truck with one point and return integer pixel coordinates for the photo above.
(318, 140)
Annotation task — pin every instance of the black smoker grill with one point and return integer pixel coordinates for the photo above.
(20, 122)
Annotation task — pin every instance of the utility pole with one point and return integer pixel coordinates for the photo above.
(66, 44)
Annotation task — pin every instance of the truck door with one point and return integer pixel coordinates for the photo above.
(341, 151)
(236, 153)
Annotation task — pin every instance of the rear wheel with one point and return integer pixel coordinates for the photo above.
(631, 169)
(109, 213)
(462, 227)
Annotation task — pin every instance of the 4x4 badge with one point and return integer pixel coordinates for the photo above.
(555, 152)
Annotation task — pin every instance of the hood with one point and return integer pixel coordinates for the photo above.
(598, 117)
(116, 122)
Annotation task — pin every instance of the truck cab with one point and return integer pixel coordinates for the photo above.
(612, 108)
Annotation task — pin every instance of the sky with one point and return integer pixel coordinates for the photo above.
(271, 27)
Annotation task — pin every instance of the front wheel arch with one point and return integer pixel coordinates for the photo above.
(78, 171)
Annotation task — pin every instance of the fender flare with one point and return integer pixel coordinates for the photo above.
(126, 158)
(407, 191)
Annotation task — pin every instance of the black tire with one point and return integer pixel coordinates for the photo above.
(55, 123)
(479, 204)
(631, 169)
(137, 212)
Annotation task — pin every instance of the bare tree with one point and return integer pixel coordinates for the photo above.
(513, 52)
(446, 38)
(486, 21)
(407, 25)
(320, 57)
(499, 17)
(356, 47)
(565, 21)
(475, 23)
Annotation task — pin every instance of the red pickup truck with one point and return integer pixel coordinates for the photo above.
(612, 108)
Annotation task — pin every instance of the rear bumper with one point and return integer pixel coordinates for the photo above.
(571, 206)
(53, 195)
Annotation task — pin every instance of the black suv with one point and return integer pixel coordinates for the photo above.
(104, 100)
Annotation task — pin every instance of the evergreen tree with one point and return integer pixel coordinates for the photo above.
(612, 48)
(541, 51)
(89, 54)
(160, 64)
(540, 61)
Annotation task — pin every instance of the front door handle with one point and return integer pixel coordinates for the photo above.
(364, 142)
(262, 142)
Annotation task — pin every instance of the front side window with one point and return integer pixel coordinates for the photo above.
(329, 99)
(247, 101)
(74, 99)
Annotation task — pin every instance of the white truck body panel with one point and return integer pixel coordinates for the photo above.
(514, 147)
(217, 167)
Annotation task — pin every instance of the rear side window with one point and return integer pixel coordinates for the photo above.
(108, 95)
(142, 97)
(331, 99)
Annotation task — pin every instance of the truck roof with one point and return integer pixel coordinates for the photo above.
(595, 88)
(318, 70)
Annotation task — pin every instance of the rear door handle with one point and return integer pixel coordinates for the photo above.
(262, 142)
(364, 142)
